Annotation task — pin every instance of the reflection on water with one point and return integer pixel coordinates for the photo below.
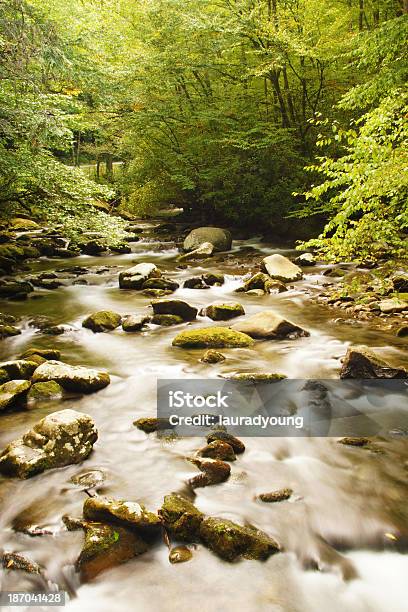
(337, 554)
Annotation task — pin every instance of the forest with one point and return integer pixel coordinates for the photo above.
(249, 113)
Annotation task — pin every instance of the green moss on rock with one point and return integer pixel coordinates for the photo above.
(231, 541)
(104, 320)
(128, 513)
(212, 337)
(181, 517)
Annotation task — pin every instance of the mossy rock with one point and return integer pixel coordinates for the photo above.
(45, 391)
(166, 320)
(254, 377)
(7, 331)
(61, 438)
(4, 377)
(151, 424)
(101, 321)
(212, 356)
(127, 513)
(257, 281)
(224, 312)
(45, 353)
(107, 546)
(276, 496)
(13, 392)
(212, 337)
(19, 368)
(72, 378)
(160, 283)
(174, 307)
(237, 445)
(360, 362)
(212, 278)
(218, 450)
(181, 517)
(20, 224)
(214, 471)
(134, 323)
(231, 541)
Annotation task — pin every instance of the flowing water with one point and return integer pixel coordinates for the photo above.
(344, 531)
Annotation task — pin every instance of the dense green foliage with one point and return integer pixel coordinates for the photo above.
(216, 106)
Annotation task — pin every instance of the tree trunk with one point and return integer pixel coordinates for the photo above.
(361, 15)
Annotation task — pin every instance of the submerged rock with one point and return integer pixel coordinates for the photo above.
(218, 450)
(156, 293)
(61, 438)
(88, 480)
(134, 277)
(45, 391)
(268, 325)
(16, 561)
(212, 337)
(180, 554)
(101, 321)
(13, 392)
(174, 307)
(354, 441)
(166, 320)
(181, 517)
(213, 471)
(212, 356)
(255, 376)
(360, 362)
(402, 332)
(237, 445)
(276, 496)
(224, 312)
(133, 323)
(15, 289)
(128, 513)
(220, 238)
(204, 250)
(45, 353)
(151, 424)
(72, 378)
(19, 368)
(231, 541)
(107, 546)
(281, 268)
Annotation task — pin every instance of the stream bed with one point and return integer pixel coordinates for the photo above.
(344, 531)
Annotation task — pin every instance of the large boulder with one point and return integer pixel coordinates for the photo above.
(281, 268)
(231, 541)
(174, 307)
(212, 337)
(127, 513)
(181, 517)
(104, 320)
(224, 312)
(71, 378)
(133, 278)
(13, 392)
(61, 438)
(360, 362)
(268, 324)
(220, 238)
